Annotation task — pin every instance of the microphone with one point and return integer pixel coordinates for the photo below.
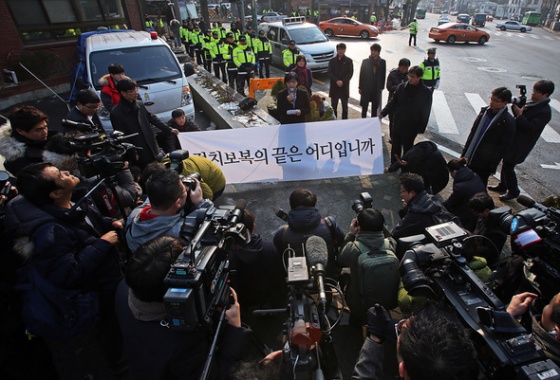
(529, 202)
(317, 256)
(82, 127)
(292, 91)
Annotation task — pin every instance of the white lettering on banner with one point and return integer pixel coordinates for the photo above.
(327, 149)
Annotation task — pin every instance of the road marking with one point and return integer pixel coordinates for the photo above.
(555, 104)
(476, 101)
(550, 135)
(318, 81)
(548, 38)
(555, 167)
(444, 118)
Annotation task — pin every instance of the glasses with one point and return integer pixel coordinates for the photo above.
(93, 106)
(132, 91)
(400, 326)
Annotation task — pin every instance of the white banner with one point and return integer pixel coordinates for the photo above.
(291, 152)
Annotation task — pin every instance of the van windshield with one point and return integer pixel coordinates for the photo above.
(304, 36)
(145, 65)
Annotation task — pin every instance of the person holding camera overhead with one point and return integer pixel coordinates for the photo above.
(167, 209)
(293, 103)
(530, 120)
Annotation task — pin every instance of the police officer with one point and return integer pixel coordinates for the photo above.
(263, 48)
(231, 68)
(244, 59)
(196, 44)
(413, 30)
(373, 18)
(289, 55)
(431, 69)
(207, 43)
(219, 51)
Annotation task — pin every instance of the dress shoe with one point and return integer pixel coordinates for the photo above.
(498, 188)
(508, 197)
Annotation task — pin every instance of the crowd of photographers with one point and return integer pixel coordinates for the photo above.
(87, 255)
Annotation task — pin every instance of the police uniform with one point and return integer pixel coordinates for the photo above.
(244, 59)
(432, 71)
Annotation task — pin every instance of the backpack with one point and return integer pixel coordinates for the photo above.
(54, 313)
(378, 277)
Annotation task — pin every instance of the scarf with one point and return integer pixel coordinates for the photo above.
(302, 75)
(485, 121)
(145, 311)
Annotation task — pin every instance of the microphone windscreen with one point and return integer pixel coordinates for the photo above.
(316, 251)
(525, 201)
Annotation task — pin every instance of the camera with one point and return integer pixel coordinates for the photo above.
(198, 280)
(365, 201)
(437, 268)
(521, 100)
(4, 178)
(176, 159)
(189, 181)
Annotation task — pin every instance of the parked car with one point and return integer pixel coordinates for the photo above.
(453, 13)
(457, 32)
(489, 18)
(310, 41)
(345, 26)
(267, 17)
(443, 20)
(513, 25)
(464, 18)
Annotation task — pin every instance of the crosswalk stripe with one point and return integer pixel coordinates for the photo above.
(476, 101)
(555, 104)
(444, 118)
(550, 135)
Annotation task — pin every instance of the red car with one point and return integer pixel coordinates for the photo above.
(345, 26)
(458, 32)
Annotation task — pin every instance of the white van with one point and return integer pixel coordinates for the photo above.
(310, 41)
(147, 59)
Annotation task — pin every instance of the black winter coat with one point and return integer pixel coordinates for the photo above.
(340, 70)
(497, 138)
(393, 80)
(371, 85)
(425, 159)
(465, 184)
(77, 116)
(302, 103)
(134, 118)
(410, 107)
(528, 128)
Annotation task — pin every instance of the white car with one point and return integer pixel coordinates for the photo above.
(513, 25)
(443, 20)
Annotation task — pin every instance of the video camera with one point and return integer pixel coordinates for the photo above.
(198, 280)
(100, 154)
(437, 268)
(365, 201)
(521, 100)
(309, 349)
(535, 236)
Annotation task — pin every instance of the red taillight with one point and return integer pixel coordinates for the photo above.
(154, 35)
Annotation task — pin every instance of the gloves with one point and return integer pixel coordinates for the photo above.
(379, 323)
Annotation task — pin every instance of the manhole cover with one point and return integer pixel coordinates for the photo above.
(473, 59)
(493, 69)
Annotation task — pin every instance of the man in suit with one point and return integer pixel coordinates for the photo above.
(85, 111)
(341, 70)
(491, 135)
(372, 80)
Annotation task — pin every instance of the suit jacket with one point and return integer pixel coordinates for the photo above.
(302, 103)
(134, 118)
(371, 85)
(340, 70)
(497, 138)
(528, 128)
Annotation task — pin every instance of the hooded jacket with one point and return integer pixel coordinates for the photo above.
(466, 183)
(18, 150)
(110, 96)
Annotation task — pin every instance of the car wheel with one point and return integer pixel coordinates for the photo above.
(364, 34)
(522, 30)
(502, 28)
(482, 40)
(329, 33)
(451, 39)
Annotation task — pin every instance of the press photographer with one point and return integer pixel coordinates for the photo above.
(530, 120)
(166, 210)
(155, 351)
(439, 270)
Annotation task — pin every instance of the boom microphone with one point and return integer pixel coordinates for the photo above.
(82, 127)
(529, 202)
(317, 256)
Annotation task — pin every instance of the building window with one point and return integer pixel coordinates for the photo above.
(44, 20)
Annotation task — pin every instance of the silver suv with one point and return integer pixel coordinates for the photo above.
(310, 41)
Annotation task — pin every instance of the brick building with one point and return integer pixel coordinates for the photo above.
(41, 34)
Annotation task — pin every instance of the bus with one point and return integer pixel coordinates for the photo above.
(420, 13)
(531, 18)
